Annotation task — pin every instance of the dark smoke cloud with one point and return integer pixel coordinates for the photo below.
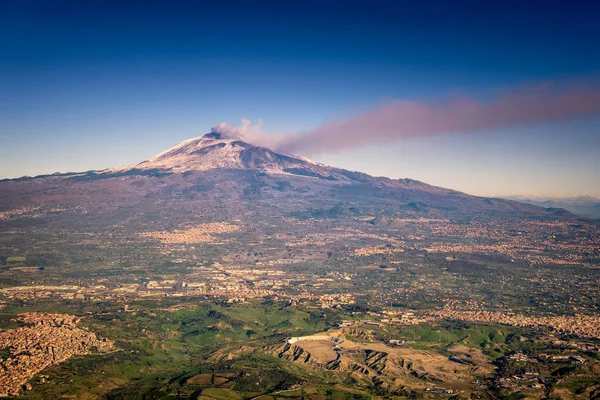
(400, 120)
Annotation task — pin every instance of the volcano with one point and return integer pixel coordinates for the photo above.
(215, 150)
(228, 171)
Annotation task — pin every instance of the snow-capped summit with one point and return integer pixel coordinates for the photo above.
(218, 150)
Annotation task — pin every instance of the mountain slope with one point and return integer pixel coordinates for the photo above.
(584, 206)
(215, 150)
(229, 170)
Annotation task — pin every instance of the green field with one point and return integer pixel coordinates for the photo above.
(208, 349)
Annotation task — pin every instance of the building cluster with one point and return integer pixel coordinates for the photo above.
(29, 212)
(230, 283)
(581, 325)
(406, 318)
(45, 339)
(61, 292)
(203, 233)
(540, 242)
(19, 212)
(385, 318)
(376, 250)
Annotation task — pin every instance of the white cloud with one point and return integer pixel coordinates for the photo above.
(247, 131)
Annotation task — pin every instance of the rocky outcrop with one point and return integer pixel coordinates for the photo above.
(292, 352)
(376, 360)
(356, 333)
(376, 364)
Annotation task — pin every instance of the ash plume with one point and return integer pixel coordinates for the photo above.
(247, 131)
(400, 120)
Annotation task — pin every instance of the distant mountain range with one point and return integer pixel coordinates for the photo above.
(582, 205)
(216, 169)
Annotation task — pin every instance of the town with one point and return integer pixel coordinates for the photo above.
(44, 340)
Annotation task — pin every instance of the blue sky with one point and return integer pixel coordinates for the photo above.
(89, 85)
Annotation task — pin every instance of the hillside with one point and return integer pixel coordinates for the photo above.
(217, 168)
